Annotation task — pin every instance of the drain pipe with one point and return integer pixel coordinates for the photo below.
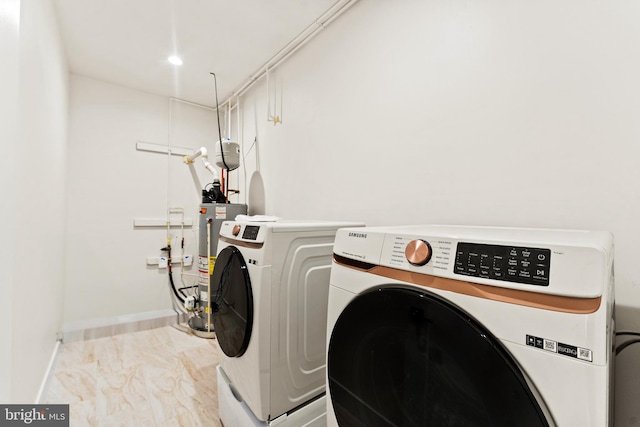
(293, 46)
(202, 152)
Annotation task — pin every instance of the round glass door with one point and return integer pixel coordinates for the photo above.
(399, 357)
(232, 302)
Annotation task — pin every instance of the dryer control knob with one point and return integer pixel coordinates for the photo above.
(418, 252)
(236, 230)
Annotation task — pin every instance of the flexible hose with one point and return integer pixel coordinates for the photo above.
(179, 294)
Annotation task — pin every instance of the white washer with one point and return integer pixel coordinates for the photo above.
(269, 289)
(448, 325)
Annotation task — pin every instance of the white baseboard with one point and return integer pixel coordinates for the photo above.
(106, 327)
(44, 386)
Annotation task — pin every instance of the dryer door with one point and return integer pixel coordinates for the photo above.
(400, 357)
(232, 302)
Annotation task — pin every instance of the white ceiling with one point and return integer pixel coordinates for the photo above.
(127, 42)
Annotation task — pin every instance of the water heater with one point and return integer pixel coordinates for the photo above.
(211, 217)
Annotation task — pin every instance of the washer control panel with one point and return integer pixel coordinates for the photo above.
(418, 252)
(573, 263)
(429, 254)
(241, 232)
(251, 232)
(509, 263)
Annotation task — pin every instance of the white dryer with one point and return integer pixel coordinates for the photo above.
(470, 326)
(269, 292)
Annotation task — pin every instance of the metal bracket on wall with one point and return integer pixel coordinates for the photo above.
(161, 222)
(164, 149)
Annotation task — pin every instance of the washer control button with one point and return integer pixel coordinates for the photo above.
(418, 252)
(236, 230)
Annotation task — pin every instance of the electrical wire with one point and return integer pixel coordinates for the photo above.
(180, 295)
(637, 334)
(215, 84)
(626, 344)
(244, 157)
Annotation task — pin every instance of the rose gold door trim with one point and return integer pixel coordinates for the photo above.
(510, 296)
(241, 243)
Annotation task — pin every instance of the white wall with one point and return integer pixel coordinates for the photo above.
(33, 131)
(9, 51)
(518, 114)
(110, 183)
(459, 112)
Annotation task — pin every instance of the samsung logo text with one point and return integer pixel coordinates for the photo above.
(358, 235)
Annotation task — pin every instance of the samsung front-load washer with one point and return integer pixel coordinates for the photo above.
(470, 326)
(270, 287)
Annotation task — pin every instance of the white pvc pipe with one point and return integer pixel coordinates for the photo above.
(210, 167)
(228, 123)
(329, 16)
(202, 152)
(195, 104)
(192, 157)
(169, 141)
(269, 116)
(244, 166)
(336, 10)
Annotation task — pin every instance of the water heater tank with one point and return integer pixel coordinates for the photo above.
(213, 214)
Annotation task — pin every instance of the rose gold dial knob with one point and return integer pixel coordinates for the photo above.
(236, 230)
(418, 252)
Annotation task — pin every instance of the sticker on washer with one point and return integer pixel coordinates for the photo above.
(560, 348)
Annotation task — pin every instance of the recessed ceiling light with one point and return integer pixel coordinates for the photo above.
(175, 60)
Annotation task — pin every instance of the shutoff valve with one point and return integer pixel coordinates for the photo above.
(190, 303)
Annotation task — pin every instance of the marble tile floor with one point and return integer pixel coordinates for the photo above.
(159, 377)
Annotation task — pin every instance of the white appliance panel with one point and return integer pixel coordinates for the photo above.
(574, 388)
